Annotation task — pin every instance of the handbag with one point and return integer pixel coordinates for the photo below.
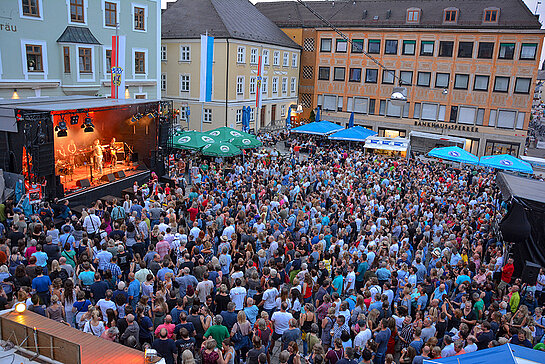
(241, 341)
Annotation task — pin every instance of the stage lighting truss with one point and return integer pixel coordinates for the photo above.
(74, 119)
(136, 117)
(61, 128)
(87, 125)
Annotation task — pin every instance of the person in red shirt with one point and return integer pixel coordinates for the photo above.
(193, 212)
(506, 274)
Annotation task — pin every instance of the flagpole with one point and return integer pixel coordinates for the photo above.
(202, 102)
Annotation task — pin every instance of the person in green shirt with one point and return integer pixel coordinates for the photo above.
(515, 299)
(478, 307)
(217, 331)
(337, 283)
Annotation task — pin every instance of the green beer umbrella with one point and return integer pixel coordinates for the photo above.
(246, 142)
(220, 149)
(193, 140)
(225, 134)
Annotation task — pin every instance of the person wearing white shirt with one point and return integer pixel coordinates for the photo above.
(106, 303)
(91, 223)
(195, 231)
(360, 341)
(238, 294)
(269, 299)
(350, 280)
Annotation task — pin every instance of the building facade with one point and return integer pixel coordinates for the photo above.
(237, 47)
(57, 48)
(469, 68)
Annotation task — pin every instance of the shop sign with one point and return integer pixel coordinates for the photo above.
(8, 27)
(449, 126)
(387, 142)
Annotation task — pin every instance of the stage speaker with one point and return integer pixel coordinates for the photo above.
(134, 157)
(83, 183)
(109, 177)
(120, 174)
(530, 273)
(43, 163)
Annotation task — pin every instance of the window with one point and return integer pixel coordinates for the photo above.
(342, 46)
(501, 84)
(185, 53)
(445, 48)
(308, 45)
(360, 105)
(85, 63)
(357, 45)
(481, 83)
(409, 47)
(66, 59)
(163, 52)
(371, 76)
(373, 46)
(163, 81)
(110, 14)
(372, 105)
(450, 16)
(355, 75)
(388, 77)
(139, 62)
(252, 85)
(507, 51)
(390, 47)
(340, 103)
(442, 80)
(294, 62)
(480, 116)
(276, 58)
(252, 115)
(465, 49)
(275, 82)
(285, 59)
(522, 85)
(139, 18)
(416, 111)
(426, 48)
(491, 16)
(76, 11)
(184, 83)
(239, 116)
(486, 50)
(241, 55)
(240, 85)
(330, 102)
(338, 74)
(325, 44)
(461, 81)
(108, 61)
(253, 56)
(285, 85)
(31, 8)
(506, 119)
(382, 107)
(207, 116)
(265, 85)
(493, 147)
(283, 110)
(265, 57)
(520, 120)
(423, 79)
(466, 115)
(406, 78)
(429, 111)
(323, 73)
(453, 114)
(293, 85)
(528, 51)
(413, 16)
(393, 110)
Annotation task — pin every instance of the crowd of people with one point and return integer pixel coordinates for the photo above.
(339, 258)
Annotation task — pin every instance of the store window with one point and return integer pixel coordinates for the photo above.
(472, 146)
(493, 147)
(409, 47)
(392, 133)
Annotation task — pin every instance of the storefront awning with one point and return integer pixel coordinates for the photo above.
(395, 144)
(447, 138)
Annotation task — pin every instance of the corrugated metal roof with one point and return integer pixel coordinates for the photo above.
(74, 34)
(237, 19)
(393, 13)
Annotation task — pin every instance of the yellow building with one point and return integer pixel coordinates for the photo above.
(241, 34)
(469, 67)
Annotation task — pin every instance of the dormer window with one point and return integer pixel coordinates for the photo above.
(413, 15)
(451, 15)
(491, 15)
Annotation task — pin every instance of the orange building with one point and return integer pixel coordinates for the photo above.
(469, 66)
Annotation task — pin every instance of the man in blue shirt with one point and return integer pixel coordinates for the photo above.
(337, 283)
(40, 285)
(383, 273)
(422, 301)
(133, 291)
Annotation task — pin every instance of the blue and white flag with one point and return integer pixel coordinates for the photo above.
(288, 119)
(207, 59)
(351, 120)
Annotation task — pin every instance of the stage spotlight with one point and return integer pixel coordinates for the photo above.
(87, 125)
(152, 115)
(136, 117)
(61, 129)
(74, 119)
(20, 307)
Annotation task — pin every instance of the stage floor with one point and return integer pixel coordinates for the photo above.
(83, 172)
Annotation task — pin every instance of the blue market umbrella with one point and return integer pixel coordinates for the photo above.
(506, 162)
(351, 120)
(454, 154)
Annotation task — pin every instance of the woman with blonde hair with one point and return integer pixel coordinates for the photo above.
(95, 326)
(55, 311)
(243, 327)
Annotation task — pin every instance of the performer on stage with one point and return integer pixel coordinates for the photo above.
(98, 156)
(113, 152)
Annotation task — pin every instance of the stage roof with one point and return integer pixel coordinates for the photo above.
(526, 188)
(70, 103)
